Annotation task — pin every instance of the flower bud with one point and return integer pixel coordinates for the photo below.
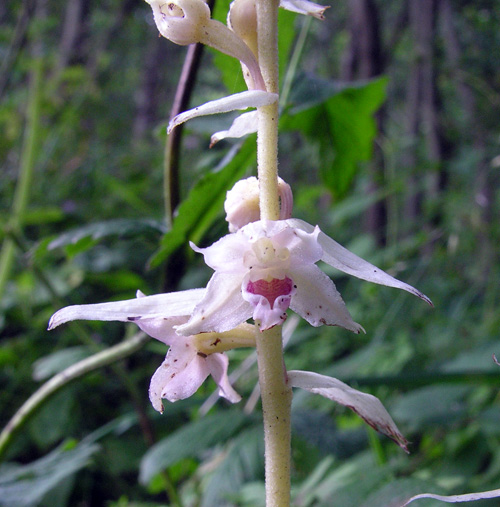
(242, 202)
(242, 19)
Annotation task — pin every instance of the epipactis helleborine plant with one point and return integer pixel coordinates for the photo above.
(262, 267)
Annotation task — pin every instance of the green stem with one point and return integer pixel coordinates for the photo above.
(187, 80)
(36, 400)
(267, 133)
(276, 394)
(24, 183)
(276, 408)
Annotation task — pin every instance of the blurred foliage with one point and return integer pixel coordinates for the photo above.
(92, 230)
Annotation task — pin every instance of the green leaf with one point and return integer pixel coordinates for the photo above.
(433, 405)
(56, 362)
(26, 485)
(350, 483)
(190, 440)
(339, 118)
(205, 200)
(53, 419)
(243, 462)
(82, 238)
(399, 490)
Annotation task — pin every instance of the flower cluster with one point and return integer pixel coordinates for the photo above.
(262, 268)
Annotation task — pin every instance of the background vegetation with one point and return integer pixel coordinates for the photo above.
(391, 142)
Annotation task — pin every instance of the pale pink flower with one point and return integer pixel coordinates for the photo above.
(268, 266)
(185, 366)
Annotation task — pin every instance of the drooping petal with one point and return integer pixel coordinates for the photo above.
(243, 100)
(218, 364)
(179, 376)
(468, 497)
(222, 308)
(318, 301)
(158, 306)
(304, 7)
(368, 407)
(242, 125)
(342, 259)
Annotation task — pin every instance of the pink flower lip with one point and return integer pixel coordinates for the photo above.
(271, 290)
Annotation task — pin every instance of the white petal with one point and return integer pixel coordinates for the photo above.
(305, 249)
(342, 259)
(131, 310)
(218, 364)
(304, 7)
(242, 125)
(222, 308)
(263, 315)
(178, 358)
(365, 405)
(469, 497)
(162, 328)
(318, 301)
(180, 375)
(243, 100)
(227, 254)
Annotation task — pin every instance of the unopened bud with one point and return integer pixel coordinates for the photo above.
(242, 202)
(242, 19)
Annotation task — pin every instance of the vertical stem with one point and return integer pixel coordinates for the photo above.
(267, 134)
(276, 408)
(276, 394)
(25, 181)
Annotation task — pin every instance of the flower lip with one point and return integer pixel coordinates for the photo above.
(272, 289)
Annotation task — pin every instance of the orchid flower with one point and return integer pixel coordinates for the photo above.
(189, 360)
(188, 21)
(268, 266)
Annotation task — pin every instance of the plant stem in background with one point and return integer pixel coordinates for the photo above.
(187, 81)
(92, 363)
(183, 92)
(28, 156)
(276, 394)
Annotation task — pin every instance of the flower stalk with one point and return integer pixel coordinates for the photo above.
(267, 133)
(276, 394)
